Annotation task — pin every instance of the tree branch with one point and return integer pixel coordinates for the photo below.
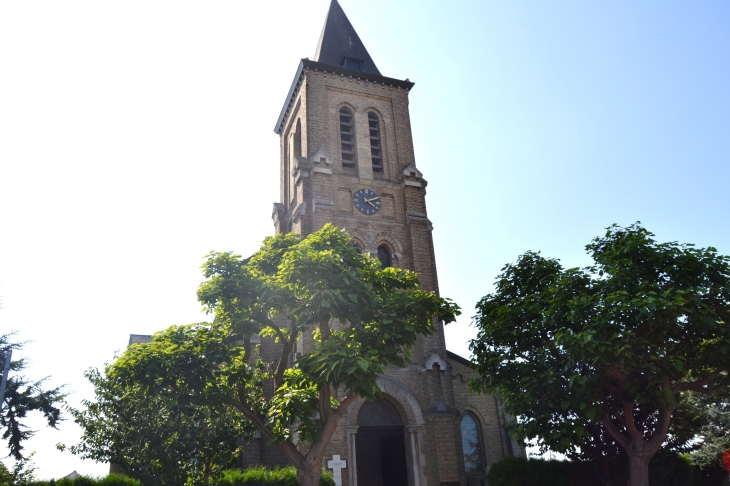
(615, 371)
(346, 402)
(330, 424)
(254, 417)
(660, 430)
(630, 424)
(615, 433)
(278, 331)
(698, 386)
(289, 449)
(284, 361)
(722, 386)
(324, 329)
(325, 410)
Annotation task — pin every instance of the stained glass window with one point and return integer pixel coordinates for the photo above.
(471, 444)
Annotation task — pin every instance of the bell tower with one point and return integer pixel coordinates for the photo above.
(347, 155)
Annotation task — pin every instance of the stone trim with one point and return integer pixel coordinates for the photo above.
(430, 361)
(403, 394)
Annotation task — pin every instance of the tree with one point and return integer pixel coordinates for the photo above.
(154, 439)
(575, 353)
(320, 287)
(22, 397)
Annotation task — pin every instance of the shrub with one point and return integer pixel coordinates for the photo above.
(261, 476)
(518, 471)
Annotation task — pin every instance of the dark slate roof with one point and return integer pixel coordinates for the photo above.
(339, 40)
(459, 359)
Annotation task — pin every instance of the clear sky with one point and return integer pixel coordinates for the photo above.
(137, 136)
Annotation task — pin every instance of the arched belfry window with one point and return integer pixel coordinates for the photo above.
(384, 256)
(471, 445)
(376, 147)
(347, 138)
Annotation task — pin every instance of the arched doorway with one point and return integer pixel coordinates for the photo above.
(380, 446)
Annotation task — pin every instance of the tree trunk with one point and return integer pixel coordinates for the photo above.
(638, 470)
(309, 471)
(309, 475)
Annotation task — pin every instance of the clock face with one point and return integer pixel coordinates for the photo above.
(366, 201)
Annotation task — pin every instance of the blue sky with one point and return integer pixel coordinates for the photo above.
(135, 137)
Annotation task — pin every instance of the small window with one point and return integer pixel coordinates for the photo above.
(376, 150)
(471, 445)
(353, 64)
(384, 257)
(298, 139)
(347, 138)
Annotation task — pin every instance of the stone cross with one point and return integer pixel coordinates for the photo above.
(337, 465)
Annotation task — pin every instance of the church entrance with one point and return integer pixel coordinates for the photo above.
(380, 446)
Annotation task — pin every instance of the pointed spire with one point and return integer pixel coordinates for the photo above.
(339, 42)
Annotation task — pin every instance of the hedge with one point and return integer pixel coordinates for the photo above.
(111, 480)
(256, 476)
(261, 476)
(664, 470)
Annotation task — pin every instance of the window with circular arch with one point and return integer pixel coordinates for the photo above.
(471, 445)
(384, 257)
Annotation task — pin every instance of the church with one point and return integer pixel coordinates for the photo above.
(347, 158)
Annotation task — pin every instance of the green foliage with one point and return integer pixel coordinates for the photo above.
(152, 438)
(110, 480)
(667, 470)
(261, 476)
(362, 316)
(569, 351)
(21, 473)
(713, 417)
(23, 397)
(514, 471)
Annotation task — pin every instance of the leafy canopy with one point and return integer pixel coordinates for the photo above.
(154, 439)
(318, 289)
(582, 355)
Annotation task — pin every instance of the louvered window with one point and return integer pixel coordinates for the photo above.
(376, 147)
(347, 138)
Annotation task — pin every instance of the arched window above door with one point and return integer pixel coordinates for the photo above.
(379, 413)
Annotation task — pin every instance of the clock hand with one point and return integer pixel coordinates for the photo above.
(368, 201)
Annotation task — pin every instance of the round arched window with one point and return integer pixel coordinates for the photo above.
(471, 444)
(384, 256)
